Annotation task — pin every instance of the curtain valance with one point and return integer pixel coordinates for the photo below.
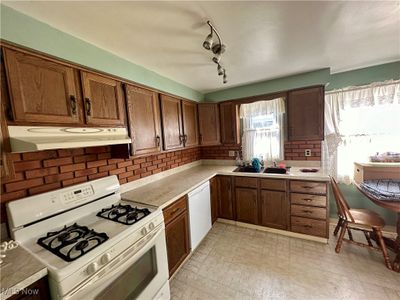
(259, 108)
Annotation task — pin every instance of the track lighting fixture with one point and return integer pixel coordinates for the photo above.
(217, 48)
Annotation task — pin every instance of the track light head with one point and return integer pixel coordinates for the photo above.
(208, 42)
(220, 70)
(217, 58)
(225, 80)
(218, 48)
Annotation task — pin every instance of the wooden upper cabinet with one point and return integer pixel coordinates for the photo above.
(171, 115)
(209, 124)
(41, 91)
(190, 123)
(305, 109)
(144, 120)
(103, 100)
(229, 123)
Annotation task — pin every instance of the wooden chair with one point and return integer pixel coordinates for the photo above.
(358, 219)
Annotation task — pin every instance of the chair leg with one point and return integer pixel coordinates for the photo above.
(368, 238)
(341, 236)
(338, 225)
(350, 234)
(382, 245)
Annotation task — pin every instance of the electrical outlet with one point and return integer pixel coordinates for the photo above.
(307, 152)
(231, 153)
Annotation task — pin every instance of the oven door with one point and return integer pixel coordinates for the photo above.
(139, 276)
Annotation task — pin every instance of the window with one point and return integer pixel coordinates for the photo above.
(359, 124)
(262, 130)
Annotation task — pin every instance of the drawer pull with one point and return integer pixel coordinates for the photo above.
(306, 187)
(307, 211)
(307, 199)
(307, 226)
(174, 211)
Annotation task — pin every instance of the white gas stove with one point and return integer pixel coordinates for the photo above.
(95, 245)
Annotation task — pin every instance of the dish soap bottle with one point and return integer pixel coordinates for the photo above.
(238, 160)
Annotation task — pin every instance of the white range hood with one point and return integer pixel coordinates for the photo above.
(34, 138)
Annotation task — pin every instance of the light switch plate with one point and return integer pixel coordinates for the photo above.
(307, 152)
(231, 153)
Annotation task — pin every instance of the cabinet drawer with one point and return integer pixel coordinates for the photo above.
(246, 182)
(310, 187)
(308, 212)
(306, 199)
(308, 226)
(273, 184)
(175, 209)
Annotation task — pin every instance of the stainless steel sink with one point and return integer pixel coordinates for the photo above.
(247, 169)
(274, 170)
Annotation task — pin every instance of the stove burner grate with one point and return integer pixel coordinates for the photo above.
(72, 242)
(124, 214)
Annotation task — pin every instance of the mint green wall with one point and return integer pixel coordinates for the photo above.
(26, 31)
(271, 86)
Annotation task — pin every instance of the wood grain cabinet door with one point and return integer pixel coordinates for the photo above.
(229, 123)
(177, 238)
(246, 205)
(214, 199)
(41, 91)
(225, 197)
(209, 124)
(305, 108)
(274, 209)
(144, 120)
(103, 100)
(190, 123)
(171, 115)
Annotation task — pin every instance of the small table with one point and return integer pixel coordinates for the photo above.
(393, 205)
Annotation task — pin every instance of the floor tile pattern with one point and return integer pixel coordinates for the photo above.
(240, 263)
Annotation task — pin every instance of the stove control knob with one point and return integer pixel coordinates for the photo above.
(92, 268)
(144, 231)
(151, 226)
(105, 258)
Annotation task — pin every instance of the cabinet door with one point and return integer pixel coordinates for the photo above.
(214, 199)
(229, 123)
(177, 237)
(190, 123)
(171, 115)
(41, 91)
(246, 205)
(274, 209)
(209, 124)
(104, 100)
(225, 197)
(144, 120)
(305, 110)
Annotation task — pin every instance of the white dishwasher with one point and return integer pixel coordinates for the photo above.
(199, 214)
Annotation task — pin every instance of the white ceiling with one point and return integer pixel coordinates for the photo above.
(264, 40)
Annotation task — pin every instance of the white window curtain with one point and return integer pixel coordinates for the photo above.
(263, 129)
(359, 122)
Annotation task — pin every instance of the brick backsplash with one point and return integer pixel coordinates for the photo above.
(219, 152)
(39, 172)
(294, 150)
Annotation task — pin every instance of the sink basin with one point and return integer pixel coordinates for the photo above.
(275, 170)
(247, 169)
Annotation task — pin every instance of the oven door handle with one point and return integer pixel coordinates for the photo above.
(123, 258)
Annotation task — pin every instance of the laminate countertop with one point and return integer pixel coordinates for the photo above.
(163, 192)
(18, 271)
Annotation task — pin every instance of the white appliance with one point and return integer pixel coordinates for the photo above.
(94, 245)
(199, 214)
(34, 138)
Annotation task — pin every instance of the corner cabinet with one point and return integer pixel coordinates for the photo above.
(144, 120)
(41, 91)
(229, 123)
(209, 126)
(176, 220)
(103, 100)
(305, 113)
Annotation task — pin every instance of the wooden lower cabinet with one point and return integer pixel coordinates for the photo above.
(246, 205)
(274, 209)
(225, 197)
(177, 233)
(39, 290)
(214, 199)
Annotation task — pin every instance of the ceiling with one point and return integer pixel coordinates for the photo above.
(265, 40)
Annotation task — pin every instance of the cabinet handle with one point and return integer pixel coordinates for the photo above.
(174, 211)
(185, 138)
(88, 106)
(180, 139)
(307, 211)
(73, 104)
(201, 138)
(306, 187)
(158, 140)
(307, 226)
(307, 199)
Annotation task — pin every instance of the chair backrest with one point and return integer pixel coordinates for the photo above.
(341, 203)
